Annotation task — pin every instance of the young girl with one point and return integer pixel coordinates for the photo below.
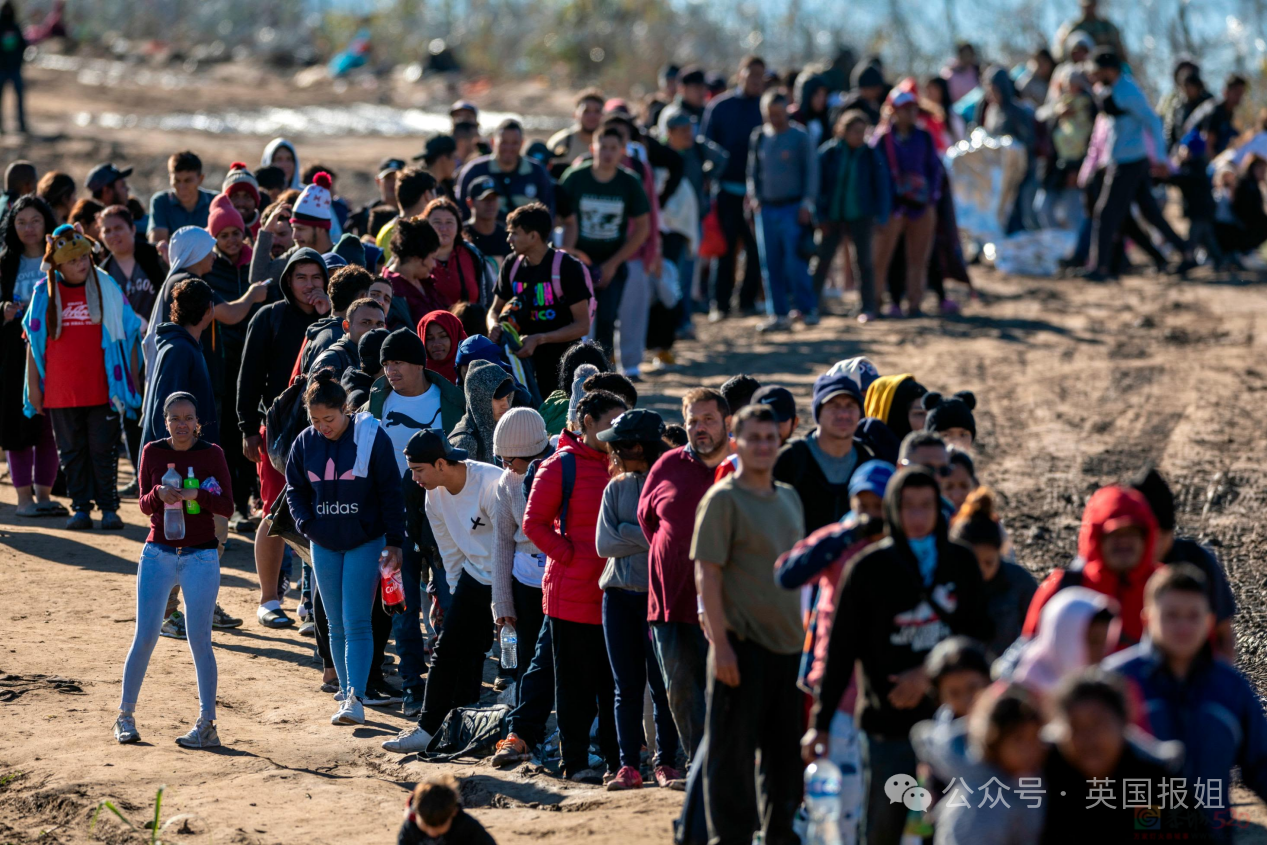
(962, 481)
(1076, 628)
(1009, 586)
(28, 441)
(344, 493)
(636, 444)
(191, 561)
(441, 332)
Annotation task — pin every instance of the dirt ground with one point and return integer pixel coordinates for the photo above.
(1078, 385)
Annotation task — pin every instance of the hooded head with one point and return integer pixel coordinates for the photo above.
(188, 246)
(67, 243)
(351, 250)
(910, 478)
(889, 400)
(270, 151)
(1001, 81)
(453, 328)
(582, 373)
(806, 87)
(482, 383)
(299, 256)
(1060, 647)
(1113, 509)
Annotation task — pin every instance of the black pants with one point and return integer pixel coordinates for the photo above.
(534, 687)
(465, 636)
(763, 713)
(1125, 184)
(242, 473)
(132, 439)
(606, 312)
(734, 225)
(860, 233)
(88, 446)
(381, 621)
(583, 688)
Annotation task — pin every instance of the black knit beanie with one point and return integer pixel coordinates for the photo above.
(955, 412)
(404, 345)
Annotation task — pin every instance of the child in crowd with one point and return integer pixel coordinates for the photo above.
(434, 816)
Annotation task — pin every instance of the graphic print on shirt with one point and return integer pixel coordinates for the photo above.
(921, 628)
(76, 314)
(601, 217)
(541, 300)
(333, 508)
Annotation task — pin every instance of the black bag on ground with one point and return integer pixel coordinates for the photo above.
(469, 732)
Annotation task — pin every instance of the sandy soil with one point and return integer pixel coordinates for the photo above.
(1078, 385)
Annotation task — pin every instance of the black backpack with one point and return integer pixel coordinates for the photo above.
(287, 417)
(568, 461)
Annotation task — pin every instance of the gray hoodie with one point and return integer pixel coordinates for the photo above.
(474, 432)
(619, 537)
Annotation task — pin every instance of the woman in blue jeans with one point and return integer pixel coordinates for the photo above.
(190, 561)
(343, 489)
(636, 444)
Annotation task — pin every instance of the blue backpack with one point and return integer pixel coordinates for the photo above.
(568, 462)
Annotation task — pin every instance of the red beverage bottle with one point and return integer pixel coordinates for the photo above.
(393, 587)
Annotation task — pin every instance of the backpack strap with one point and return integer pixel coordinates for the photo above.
(514, 268)
(555, 277)
(1070, 578)
(567, 461)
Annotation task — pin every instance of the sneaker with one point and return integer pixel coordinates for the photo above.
(125, 729)
(350, 712)
(412, 702)
(381, 695)
(174, 626)
(867, 317)
(774, 324)
(948, 307)
(308, 628)
(895, 311)
(716, 315)
(220, 619)
(243, 524)
(409, 741)
(501, 682)
(510, 751)
(131, 491)
(811, 319)
(330, 687)
(203, 735)
(79, 521)
(626, 778)
(110, 521)
(668, 777)
(591, 776)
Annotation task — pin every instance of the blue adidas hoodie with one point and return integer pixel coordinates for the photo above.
(334, 509)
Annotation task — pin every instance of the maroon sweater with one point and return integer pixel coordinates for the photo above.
(208, 462)
(666, 511)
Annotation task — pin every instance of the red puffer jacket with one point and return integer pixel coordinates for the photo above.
(570, 587)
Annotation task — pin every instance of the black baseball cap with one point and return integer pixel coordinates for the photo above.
(540, 152)
(504, 389)
(481, 187)
(390, 165)
(636, 425)
(440, 145)
(779, 399)
(430, 445)
(106, 174)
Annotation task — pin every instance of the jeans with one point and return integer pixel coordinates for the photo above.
(1125, 184)
(88, 442)
(860, 234)
(407, 626)
(14, 78)
(348, 582)
(465, 636)
(633, 662)
(734, 226)
(606, 312)
(583, 689)
(198, 572)
(534, 690)
(682, 652)
(764, 713)
(635, 309)
(882, 758)
(782, 269)
(37, 465)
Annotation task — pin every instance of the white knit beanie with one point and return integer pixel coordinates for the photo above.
(313, 206)
(578, 390)
(520, 433)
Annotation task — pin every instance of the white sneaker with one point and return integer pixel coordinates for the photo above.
(203, 735)
(409, 741)
(351, 711)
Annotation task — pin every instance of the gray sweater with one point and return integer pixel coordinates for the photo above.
(508, 538)
(619, 537)
(782, 168)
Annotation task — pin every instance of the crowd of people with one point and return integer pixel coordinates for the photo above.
(440, 389)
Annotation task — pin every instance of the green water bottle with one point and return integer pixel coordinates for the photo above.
(191, 483)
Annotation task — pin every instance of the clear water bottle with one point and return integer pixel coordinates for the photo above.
(823, 784)
(510, 646)
(173, 515)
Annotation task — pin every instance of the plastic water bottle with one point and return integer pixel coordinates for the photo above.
(510, 646)
(392, 585)
(173, 515)
(823, 783)
(191, 483)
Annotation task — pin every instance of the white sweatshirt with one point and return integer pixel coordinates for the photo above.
(463, 524)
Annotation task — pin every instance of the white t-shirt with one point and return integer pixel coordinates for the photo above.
(404, 416)
(463, 524)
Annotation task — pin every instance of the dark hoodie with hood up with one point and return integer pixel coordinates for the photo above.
(178, 366)
(273, 340)
(474, 433)
(889, 620)
(1009, 116)
(1110, 509)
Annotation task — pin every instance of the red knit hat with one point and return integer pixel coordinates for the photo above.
(223, 215)
(239, 178)
(313, 206)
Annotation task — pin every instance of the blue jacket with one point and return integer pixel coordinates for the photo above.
(728, 123)
(179, 365)
(871, 181)
(336, 509)
(1215, 713)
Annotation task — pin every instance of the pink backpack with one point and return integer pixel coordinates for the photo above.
(557, 283)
